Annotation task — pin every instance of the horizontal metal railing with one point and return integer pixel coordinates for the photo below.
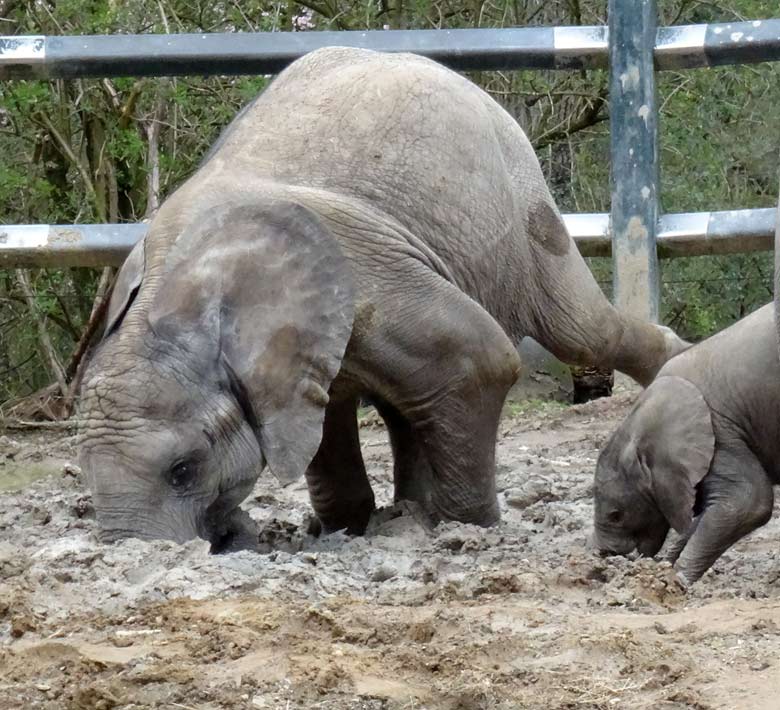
(637, 47)
(679, 47)
(683, 234)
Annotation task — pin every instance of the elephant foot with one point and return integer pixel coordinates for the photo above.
(314, 527)
(683, 581)
(413, 511)
(352, 519)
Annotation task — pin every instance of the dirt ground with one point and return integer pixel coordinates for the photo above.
(522, 615)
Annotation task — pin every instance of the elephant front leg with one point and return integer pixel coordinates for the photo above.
(737, 499)
(339, 489)
(460, 440)
(680, 541)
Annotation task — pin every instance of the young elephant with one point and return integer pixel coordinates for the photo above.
(371, 226)
(699, 452)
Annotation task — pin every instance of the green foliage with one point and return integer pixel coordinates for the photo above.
(80, 151)
(532, 406)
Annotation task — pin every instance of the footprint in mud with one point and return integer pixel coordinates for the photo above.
(282, 534)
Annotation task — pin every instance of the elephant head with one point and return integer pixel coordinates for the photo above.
(647, 473)
(217, 359)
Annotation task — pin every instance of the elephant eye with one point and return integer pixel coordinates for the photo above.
(615, 516)
(181, 474)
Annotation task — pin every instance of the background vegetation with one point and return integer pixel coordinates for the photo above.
(110, 150)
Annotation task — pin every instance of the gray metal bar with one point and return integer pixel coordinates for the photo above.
(684, 234)
(634, 151)
(57, 246)
(715, 233)
(692, 46)
(679, 47)
(22, 57)
(743, 42)
(590, 232)
(268, 52)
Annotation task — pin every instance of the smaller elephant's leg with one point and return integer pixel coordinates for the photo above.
(339, 489)
(680, 541)
(412, 474)
(737, 498)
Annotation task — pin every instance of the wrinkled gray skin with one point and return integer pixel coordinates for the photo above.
(372, 225)
(699, 452)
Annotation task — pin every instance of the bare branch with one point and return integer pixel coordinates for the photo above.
(593, 114)
(152, 129)
(43, 335)
(129, 107)
(69, 153)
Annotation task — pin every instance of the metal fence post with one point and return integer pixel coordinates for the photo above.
(634, 155)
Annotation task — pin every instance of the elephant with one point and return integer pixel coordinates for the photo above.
(698, 453)
(372, 225)
(777, 273)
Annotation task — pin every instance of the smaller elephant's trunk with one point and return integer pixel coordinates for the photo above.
(609, 545)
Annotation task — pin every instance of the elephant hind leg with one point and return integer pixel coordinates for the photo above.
(412, 473)
(339, 489)
(445, 365)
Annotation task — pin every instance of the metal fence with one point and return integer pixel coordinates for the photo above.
(631, 46)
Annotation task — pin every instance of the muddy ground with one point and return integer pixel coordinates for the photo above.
(518, 616)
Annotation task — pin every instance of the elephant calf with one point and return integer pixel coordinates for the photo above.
(699, 452)
(372, 225)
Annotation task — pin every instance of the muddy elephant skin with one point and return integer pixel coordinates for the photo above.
(370, 226)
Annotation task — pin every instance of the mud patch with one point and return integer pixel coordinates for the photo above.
(519, 615)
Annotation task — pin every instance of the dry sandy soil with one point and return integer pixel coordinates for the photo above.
(518, 616)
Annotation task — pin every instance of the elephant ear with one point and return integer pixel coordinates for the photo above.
(675, 443)
(268, 293)
(126, 286)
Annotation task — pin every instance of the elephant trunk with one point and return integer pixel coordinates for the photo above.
(227, 531)
(648, 544)
(140, 519)
(611, 544)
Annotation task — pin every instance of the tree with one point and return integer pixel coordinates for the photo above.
(110, 150)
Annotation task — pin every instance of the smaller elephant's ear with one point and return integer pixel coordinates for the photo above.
(675, 445)
(128, 281)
